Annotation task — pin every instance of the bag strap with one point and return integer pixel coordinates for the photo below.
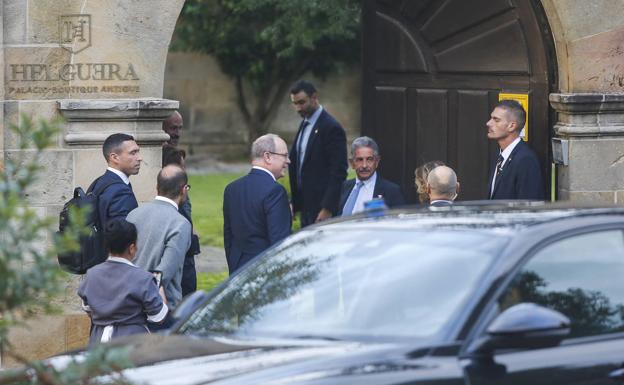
(102, 188)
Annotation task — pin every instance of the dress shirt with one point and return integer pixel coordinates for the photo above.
(366, 192)
(265, 170)
(505, 154)
(305, 135)
(123, 176)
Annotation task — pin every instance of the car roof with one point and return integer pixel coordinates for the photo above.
(499, 216)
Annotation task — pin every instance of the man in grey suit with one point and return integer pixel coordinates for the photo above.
(442, 186)
(164, 235)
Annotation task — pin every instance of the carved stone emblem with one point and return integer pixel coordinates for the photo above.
(75, 32)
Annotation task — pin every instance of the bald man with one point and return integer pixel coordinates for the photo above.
(442, 186)
(163, 234)
(173, 126)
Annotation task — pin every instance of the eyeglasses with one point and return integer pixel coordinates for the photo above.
(277, 153)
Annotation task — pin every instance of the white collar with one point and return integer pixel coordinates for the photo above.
(120, 260)
(165, 199)
(265, 170)
(369, 181)
(121, 174)
(509, 149)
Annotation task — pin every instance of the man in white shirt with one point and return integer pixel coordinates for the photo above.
(515, 173)
(368, 184)
(116, 198)
(256, 211)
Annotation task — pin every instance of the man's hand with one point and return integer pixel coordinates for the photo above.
(322, 215)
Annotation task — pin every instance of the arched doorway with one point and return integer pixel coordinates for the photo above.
(432, 70)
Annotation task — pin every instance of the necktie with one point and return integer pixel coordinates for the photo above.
(348, 207)
(301, 148)
(499, 167)
(130, 185)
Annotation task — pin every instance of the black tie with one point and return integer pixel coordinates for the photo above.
(499, 167)
(130, 185)
(300, 148)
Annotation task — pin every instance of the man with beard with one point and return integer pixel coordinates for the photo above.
(318, 157)
(368, 184)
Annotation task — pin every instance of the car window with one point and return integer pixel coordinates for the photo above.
(581, 277)
(352, 284)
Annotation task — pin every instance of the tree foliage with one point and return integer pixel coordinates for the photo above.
(265, 45)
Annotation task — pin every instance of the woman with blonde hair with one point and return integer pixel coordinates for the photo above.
(421, 173)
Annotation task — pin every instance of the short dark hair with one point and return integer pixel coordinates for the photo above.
(170, 185)
(119, 234)
(303, 85)
(172, 155)
(114, 142)
(515, 109)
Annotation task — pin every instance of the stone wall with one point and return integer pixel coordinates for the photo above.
(589, 38)
(100, 65)
(213, 123)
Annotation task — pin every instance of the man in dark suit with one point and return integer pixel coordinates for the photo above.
(173, 126)
(256, 212)
(318, 156)
(368, 184)
(124, 159)
(515, 174)
(442, 186)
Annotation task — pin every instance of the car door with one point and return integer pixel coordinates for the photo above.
(581, 276)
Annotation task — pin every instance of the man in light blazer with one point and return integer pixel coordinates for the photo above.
(256, 211)
(515, 173)
(318, 158)
(368, 184)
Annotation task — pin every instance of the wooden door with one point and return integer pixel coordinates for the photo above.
(433, 70)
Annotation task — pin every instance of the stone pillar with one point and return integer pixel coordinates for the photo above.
(593, 125)
(100, 65)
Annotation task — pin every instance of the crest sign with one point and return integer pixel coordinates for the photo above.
(75, 32)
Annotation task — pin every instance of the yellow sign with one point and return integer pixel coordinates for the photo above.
(523, 99)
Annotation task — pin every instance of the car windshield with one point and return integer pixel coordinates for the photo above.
(351, 284)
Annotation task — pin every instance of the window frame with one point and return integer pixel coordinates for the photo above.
(488, 313)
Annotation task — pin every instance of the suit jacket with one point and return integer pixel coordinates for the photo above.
(323, 170)
(256, 215)
(520, 178)
(390, 192)
(117, 200)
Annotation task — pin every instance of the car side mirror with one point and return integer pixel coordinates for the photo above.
(522, 326)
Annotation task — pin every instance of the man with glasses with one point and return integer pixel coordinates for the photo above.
(256, 212)
(318, 156)
(368, 184)
(163, 234)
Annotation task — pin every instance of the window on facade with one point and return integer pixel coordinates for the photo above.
(581, 277)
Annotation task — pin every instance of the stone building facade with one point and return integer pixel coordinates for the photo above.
(100, 66)
(214, 126)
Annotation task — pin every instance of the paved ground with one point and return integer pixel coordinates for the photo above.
(211, 260)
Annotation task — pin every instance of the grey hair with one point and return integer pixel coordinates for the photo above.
(443, 181)
(265, 143)
(364, 141)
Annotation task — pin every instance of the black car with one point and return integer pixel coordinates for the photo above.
(461, 295)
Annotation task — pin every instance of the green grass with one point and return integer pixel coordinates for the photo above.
(208, 281)
(207, 200)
